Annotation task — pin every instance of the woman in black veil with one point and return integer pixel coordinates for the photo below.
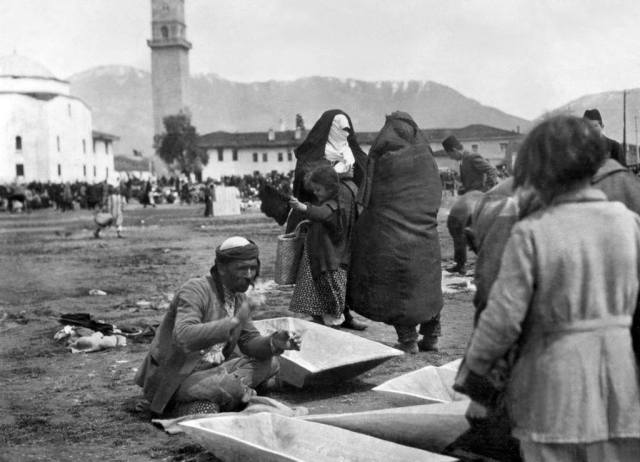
(331, 141)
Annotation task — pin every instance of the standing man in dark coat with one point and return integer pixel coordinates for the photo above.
(476, 174)
(614, 149)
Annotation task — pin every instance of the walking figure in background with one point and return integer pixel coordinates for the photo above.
(322, 281)
(67, 197)
(147, 196)
(114, 207)
(564, 305)
(209, 197)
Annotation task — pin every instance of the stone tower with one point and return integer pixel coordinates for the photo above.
(169, 60)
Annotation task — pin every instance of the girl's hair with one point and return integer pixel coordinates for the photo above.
(558, 155)
(325, 176)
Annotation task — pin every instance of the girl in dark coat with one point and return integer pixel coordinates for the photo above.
(322, 281)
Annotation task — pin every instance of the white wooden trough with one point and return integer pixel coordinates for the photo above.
(427, 385)
(267, 437)
(327, 354)
(431, 427)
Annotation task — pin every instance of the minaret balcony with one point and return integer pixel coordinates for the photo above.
(169, 42)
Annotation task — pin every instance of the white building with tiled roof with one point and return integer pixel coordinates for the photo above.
(45, 133)
(238, 154)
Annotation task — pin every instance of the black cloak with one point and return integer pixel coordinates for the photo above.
(395, 274)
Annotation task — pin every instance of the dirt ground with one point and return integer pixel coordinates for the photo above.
(55, 405)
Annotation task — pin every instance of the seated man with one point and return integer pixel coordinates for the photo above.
(194, 365)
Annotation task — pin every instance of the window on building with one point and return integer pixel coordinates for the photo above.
(265, 157)
(280, 157)
(94, 146)
(59, 170)
(474, 147)
(164, 31)
(503, 147)
(94, 171)
(18, 143)
(58, 142)
(234, 155)
(84, 146)
(255, 157)
(84, 170)
(107, 147)
(220, 155)
(69, 109)
(289, 156)
(19, 169)
(107, 172)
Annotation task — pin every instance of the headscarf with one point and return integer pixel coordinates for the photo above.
(236, 248)
(337, 150)
(399, 132)
(313, 149)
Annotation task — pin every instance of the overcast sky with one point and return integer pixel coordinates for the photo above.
(523, 57)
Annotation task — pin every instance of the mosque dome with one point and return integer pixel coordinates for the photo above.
(19, 74)
(20, 66)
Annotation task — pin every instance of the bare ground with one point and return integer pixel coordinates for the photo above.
(55, 405)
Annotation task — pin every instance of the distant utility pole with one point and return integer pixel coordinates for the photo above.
(624, 124)
(637, 153)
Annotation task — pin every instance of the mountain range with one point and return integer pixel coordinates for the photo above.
(120, 99)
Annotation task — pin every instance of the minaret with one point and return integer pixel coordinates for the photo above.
(169, 60)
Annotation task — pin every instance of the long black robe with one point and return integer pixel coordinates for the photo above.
(395, 274)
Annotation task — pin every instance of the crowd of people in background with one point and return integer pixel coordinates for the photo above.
(163, 190)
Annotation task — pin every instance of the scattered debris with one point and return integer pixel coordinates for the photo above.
(96, 342)
(65, 233)
(453, 284)
(97, 292)
(144, 304)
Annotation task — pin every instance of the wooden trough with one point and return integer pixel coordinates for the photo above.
(431, 427)
(327, 354)
(267, 437)
(427, 385)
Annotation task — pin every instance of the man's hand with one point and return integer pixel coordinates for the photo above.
(284, 340)
(297, 205)
(243, 315)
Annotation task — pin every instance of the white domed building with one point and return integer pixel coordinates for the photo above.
(45, 133)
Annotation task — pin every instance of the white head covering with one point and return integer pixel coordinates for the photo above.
(337, 148)
(233, 242)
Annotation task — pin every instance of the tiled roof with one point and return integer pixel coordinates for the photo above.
(249, 139)
(286, 138)
(104, 136)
